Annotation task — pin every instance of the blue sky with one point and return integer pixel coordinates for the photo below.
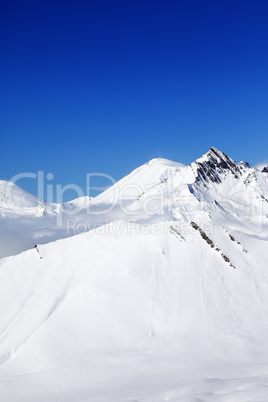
(104, 86)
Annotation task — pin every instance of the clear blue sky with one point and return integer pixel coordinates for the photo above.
(104, 86)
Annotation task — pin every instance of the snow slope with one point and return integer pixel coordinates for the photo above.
(167, 302)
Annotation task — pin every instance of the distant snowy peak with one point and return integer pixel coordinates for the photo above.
(12, 196)
(262, 167)
(214, 165)
(15, 200)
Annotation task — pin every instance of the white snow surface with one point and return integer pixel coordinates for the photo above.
(164, 297)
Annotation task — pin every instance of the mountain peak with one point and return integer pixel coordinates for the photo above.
(164, 162)
(213, 153)
(213, 164)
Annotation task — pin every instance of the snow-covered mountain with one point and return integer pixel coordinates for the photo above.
(164, 297)
(160, 190)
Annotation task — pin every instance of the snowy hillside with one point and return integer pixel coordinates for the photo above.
(163, 298)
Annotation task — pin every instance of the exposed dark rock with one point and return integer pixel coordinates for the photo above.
(226, 259)
(214, 165)
(37, 249)
(232, 238)
(237, 242)
(210, 242)
(203, 234)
